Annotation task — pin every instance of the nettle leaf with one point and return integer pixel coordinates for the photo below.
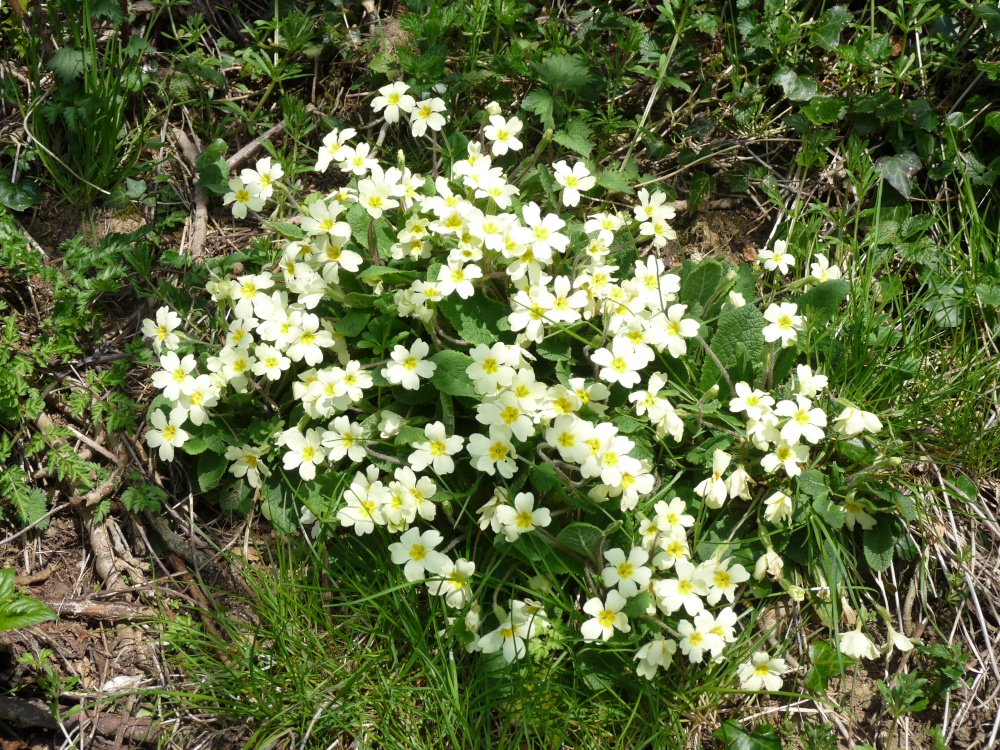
(584, 538)
(899, 171)
(797, 88)
(879, 542)
(738, 343)
(450, 376)
(827, 662)
(735, 737)
(615, 182)
(831, 25)
(478, 320)
(67, 63)
(576, 137)
(540, 103)
(564, 73)
(18, 611)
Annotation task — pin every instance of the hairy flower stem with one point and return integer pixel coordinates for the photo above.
(710, 353)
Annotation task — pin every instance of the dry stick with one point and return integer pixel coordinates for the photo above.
(85, 609)
(199, 219)
(25, 713)
(244, 154)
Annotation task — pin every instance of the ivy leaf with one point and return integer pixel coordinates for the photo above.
(823, 110)
(797, 88)
(735, 737)
(831, 25)
(583, 538)
(450, 376)
(826, 663)
(899, 171)
(18, 611)
(18, 197)
(879, 542)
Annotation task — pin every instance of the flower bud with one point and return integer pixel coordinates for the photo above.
(493, 109)
(770, 563)
(736, 299)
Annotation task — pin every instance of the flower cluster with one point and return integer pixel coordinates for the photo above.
(378, 334)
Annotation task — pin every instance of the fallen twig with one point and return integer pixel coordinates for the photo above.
(199, 220)
(25, 713)
(236, 160)
(86, 609)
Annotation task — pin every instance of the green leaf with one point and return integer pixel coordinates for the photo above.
(450, 376)
(31, 504)
(832, 514)
(145, 497)
(352, 323)
(822, 301)
(879, 542)
(576, 137)
(543, 477)
(899, 171)
(827, 662)
(990, 15)
(823, 110)
(67, 63)
(211, 467)
(374, 275)
(615, 182)
(279, 507)
(734, 737)
(699, 283)
(738, 342)
(564, 73)
(637, 605)
(477, 320)
(287, 230)
(540, 103)
(213, 172)
(813, 483)
(831, 25)
(797, 88)
(18, 611)
(21, 196)
(583, 538)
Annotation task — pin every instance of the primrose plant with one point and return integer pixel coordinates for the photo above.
(561, 437)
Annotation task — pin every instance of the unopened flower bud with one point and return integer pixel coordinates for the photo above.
(736, 299)
(770, 563)
(493, 109)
